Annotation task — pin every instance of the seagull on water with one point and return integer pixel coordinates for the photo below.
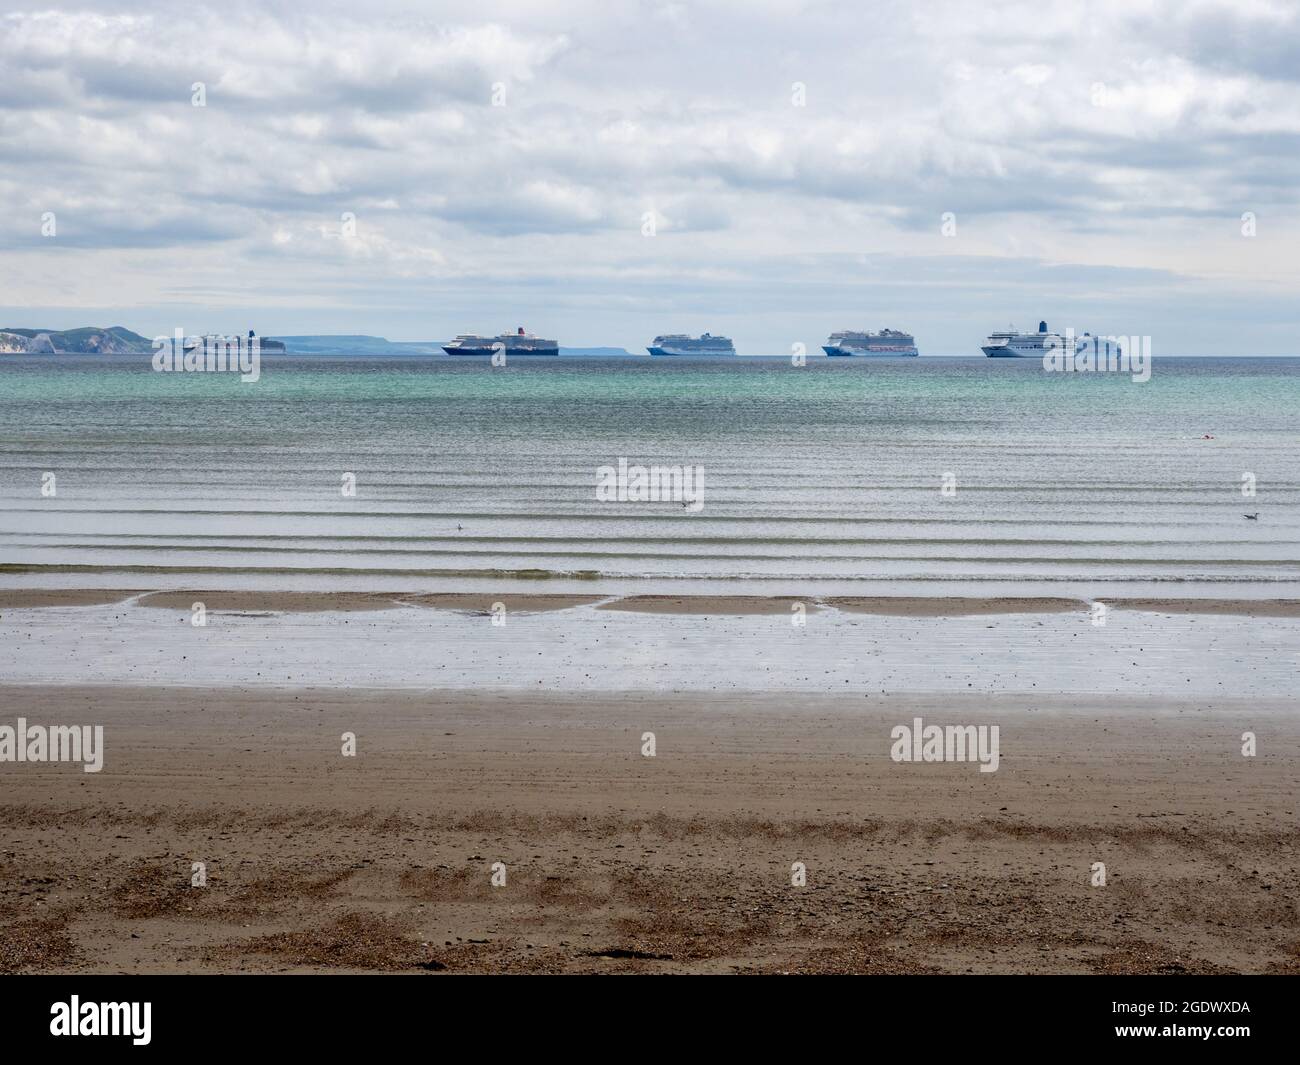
(1252, 517)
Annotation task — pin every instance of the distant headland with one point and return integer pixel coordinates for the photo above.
(87, 340)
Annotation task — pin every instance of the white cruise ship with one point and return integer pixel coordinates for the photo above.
(888, 343)
(681, 344)
(1014, 345)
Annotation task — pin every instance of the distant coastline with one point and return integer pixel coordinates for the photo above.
(118, 340)
(88, 340)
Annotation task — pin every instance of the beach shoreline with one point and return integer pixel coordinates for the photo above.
(203, 638)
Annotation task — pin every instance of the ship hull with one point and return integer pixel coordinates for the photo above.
(1008, 353)
(1100, 349)
(509, 352)
(679, 354)
(860, 353)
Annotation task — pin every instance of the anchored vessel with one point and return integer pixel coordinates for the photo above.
(1013, 345)
(681, 344)
(888, 343)
(519, 343)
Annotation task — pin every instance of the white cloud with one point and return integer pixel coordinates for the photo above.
(912, 110)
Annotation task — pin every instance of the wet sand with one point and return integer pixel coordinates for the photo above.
(617, 862)
(922, 607)
(319, 602)
(288, 601)
(28, 598)
(1246, 608)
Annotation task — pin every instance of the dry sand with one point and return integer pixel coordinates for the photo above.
(616, 862)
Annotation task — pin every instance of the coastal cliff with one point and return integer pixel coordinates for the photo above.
(87, 340)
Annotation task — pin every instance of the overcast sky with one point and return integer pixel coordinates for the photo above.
(798, 160)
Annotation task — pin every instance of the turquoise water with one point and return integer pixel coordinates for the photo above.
(821, 479)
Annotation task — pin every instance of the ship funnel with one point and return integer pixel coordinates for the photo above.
(521, 330)
(1042, 327)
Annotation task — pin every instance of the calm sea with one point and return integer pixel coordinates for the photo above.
(821, 479)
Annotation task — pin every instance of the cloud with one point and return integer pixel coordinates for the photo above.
(515, 145)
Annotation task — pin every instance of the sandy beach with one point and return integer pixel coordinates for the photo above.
(619, 862)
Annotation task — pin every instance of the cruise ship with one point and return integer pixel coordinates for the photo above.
(888, 343)
(681, 344)
(519, 343)
(1013, 345)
